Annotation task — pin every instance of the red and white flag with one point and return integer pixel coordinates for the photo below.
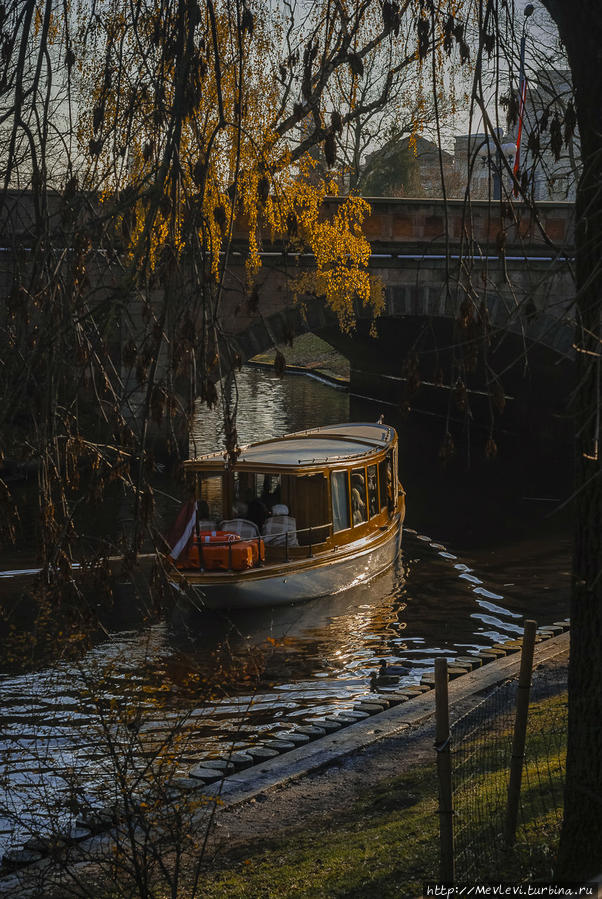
(182, 531)
(522, 90)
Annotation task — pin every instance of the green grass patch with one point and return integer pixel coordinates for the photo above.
(385, 845)
(480, 795)
(311, 352)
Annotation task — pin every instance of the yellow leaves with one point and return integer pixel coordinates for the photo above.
(234, 168)
(342, 255)
(37, 23)
(377, 300)
(340, 249)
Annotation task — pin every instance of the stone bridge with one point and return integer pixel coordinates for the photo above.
(430, 256)
(512, 265)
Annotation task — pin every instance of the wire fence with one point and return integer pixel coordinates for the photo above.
(481, 755)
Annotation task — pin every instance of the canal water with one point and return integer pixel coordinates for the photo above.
(485, 544)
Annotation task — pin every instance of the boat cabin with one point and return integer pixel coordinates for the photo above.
(304, 493)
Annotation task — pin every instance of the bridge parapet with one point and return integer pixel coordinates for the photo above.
(430, 226)
(433, 223)
(402, 225)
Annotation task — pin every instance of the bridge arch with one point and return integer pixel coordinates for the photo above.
(533, 306)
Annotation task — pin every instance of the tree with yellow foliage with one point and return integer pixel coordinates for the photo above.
(144, 134)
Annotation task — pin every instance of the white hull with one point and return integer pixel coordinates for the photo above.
(293, 582)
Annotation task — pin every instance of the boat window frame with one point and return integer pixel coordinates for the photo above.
(377, 511)
(332, 473)
(382, 483)
(390, 459)
(354, 471)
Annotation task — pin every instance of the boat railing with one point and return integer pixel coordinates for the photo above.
(313, 532)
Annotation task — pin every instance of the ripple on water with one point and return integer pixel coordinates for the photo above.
(438, 600)
(497, 609)
(471, 579)
(481, 591)
(505, 628)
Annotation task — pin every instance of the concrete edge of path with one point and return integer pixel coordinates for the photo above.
(314, 756)
(311, 757)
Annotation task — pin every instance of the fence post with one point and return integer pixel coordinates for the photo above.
(520, 732)
(442, 745)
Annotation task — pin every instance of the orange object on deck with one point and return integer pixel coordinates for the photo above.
(258, 549)
(212, 554)
(235, 557)
(217, 537)
(208, 540)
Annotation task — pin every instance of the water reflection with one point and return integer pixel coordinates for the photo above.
(228, 680)
(270, 407)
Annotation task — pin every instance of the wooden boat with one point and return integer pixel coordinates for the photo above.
(297, 517)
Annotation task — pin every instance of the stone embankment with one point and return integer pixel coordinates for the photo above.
(388, 710)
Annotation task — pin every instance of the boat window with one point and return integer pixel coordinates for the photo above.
(372, 491)
(307, 500)
(340, 500)
(358, 496)
(210, 496)
(385, 473)
(255, 494)
(268, 489)
(382, 483)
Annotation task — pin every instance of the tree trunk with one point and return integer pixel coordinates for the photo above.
(580, 854)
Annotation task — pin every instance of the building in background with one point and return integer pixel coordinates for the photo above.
(481, 165)
(549, 149)
(550, 145)
(407, 167)
(484, 164)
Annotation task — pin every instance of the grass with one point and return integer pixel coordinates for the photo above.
(309, 351)
(482, 797)
(386, 845)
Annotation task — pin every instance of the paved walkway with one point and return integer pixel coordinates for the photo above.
(330, 772)
(394, 724)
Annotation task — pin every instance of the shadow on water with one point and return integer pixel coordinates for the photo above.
(482, 548)
(480, 551)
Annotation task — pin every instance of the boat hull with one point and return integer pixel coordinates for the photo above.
(324, 575)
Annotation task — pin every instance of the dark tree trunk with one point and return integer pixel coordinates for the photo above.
(580, 856)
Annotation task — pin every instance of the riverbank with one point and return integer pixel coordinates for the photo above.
(354, 813)
(311, 356)
(369, 817)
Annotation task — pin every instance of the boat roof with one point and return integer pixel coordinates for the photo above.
(328, 445)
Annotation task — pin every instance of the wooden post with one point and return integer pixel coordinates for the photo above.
(520, 732)
(442, 745)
